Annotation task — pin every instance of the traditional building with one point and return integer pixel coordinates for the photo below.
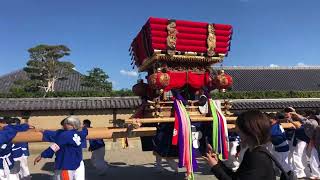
(274, 78)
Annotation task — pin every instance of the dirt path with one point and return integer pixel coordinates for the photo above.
(129, 163)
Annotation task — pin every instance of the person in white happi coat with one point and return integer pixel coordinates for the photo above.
(233, 161)
(305, 157)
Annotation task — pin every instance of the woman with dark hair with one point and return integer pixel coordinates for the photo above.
(253, 127)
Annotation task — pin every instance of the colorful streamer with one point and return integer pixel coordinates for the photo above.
(183, 137)
(215, 126)
(184, 140)
(220, 141)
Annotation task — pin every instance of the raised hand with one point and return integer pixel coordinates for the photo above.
(211, 157)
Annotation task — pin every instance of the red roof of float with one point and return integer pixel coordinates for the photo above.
(191, 37)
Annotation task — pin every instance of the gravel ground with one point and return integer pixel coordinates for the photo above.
(130, 163)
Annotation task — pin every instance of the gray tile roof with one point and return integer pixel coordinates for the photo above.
(274, 78)
(71, 84)
(90, 103)
(7, 80)
(275, 104)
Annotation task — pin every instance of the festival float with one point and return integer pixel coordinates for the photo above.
(177, 57)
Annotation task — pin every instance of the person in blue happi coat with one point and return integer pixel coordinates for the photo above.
(97, 147)
(67, 150)
(20, 153)
(279, 146)
(8, 169)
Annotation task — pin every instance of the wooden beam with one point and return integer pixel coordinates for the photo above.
(171, 119)
(230, 120)
(93, 133)
(33, 135)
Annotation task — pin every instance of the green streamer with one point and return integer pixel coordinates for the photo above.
(214, 126)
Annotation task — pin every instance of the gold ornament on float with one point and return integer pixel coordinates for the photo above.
(223, 80)
(211, 40)
(172, 38)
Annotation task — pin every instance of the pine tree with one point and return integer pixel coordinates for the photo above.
(45, 67)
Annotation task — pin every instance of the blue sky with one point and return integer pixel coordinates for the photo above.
(266, 32)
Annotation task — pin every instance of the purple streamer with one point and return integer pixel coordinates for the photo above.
(194, 160)
(180, 134)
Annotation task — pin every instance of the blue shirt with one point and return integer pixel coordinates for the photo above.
(96, 144)
(49, 136)
(299, 134)
(67, 148)
(279, 139)
(20, 149)
(6, 136)
(234, 137)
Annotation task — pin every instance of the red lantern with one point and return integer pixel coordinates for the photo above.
(159, 80)
(223, 80)
(140, 89)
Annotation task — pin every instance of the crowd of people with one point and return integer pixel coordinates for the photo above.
(259, 148)
(296, 150)
(67, 145)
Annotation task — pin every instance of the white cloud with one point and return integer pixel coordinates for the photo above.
(274, 65)
(301, 64)
(129, 73)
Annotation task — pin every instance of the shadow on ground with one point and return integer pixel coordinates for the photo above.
(121, 170)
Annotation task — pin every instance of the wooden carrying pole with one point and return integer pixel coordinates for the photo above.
(230, 121)
(110, 133)
(93, 133)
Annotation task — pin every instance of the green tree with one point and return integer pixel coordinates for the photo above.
(45, 67)
(97, 78)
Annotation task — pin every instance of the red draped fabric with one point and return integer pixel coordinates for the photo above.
(154, 20)
(186, 42)
(191, 30)
(189, 48)
(156, 33)
(191, 37)
(193, 24)
(178, 79)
